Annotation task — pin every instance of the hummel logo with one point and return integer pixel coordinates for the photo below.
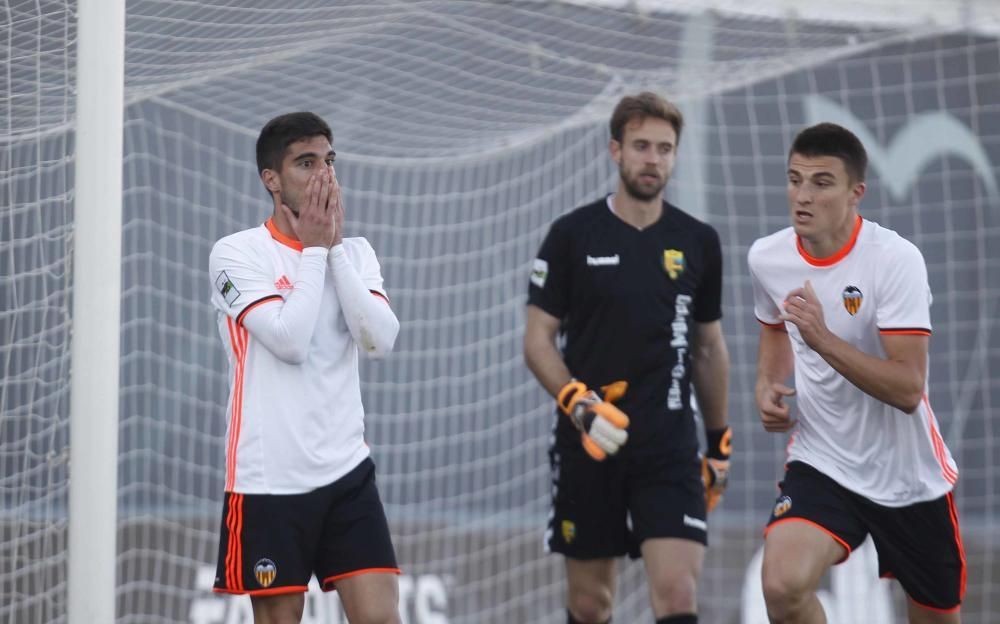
(603, 260)
(283, 284)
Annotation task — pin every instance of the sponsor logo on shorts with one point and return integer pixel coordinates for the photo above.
(852, 299)
(226, 288)
(673, 262)
(568, 531)
(539, 271)
(265, 571)
(782, 506)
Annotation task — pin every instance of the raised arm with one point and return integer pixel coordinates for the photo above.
(898, 379)
(369, 317)
(245, 292)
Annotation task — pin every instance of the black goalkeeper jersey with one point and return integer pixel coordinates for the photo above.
(628, 300)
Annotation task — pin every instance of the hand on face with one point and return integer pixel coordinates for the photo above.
(336, 207)
(804, 310)
(316, 224)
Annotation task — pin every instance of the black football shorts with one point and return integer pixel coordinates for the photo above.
(920, 544)
(608, 508)
(273, 544)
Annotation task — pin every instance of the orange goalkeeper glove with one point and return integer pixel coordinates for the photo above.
(715, 465)
(601, 424)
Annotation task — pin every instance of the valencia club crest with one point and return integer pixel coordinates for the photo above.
(852, 299)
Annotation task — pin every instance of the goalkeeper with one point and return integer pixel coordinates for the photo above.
(631, 287)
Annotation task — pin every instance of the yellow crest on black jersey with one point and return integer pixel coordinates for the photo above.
(265, 571)
(673, 262)
(852, 299)
(568, 531)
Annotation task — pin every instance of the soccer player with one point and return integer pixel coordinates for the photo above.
(844, 304)
(632, 287)
(296, 303)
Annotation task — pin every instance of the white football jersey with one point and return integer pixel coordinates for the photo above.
(291, 427)
(877, 284)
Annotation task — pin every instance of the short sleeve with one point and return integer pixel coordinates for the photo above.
(903, 294)
(239, 283)
(549, 284)
(708, 297)
(764, 307)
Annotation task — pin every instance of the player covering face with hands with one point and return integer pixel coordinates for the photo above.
(844, 308)
(632, 286)
(297, 302)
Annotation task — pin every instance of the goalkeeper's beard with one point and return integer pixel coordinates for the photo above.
(634, 190)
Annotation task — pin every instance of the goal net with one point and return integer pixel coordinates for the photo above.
(462, 130)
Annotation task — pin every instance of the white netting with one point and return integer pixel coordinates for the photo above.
(462, 129)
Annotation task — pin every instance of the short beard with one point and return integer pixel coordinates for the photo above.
(638, 193)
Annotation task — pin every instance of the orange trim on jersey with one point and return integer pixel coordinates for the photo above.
(276, 234)
(839, 255)
(379, 295)
(336, 577)
(291, 589)
(243, 313)
(953, 512)
(238, 338)
(950, 474)
(780, 325)
(768, 528)
(905, 332)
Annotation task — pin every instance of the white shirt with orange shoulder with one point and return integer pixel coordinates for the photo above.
(292, 322)
(877, 284)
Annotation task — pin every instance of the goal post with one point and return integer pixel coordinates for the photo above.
(97, 228)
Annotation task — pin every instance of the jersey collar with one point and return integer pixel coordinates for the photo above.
(836, 257)
(611, 209)
(276, 234)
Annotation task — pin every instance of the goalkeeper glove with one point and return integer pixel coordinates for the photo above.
(715, 465)
(601, 424)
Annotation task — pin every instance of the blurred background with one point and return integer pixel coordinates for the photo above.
(463, 128)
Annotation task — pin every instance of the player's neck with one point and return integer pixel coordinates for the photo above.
(282, 224)
(638, 213)
(826, 244)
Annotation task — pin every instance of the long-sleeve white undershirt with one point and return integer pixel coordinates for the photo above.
(286, 330)
(369, 318)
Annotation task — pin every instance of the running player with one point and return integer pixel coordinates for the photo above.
(844, 304)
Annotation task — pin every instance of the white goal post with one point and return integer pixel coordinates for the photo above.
(93, 485)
